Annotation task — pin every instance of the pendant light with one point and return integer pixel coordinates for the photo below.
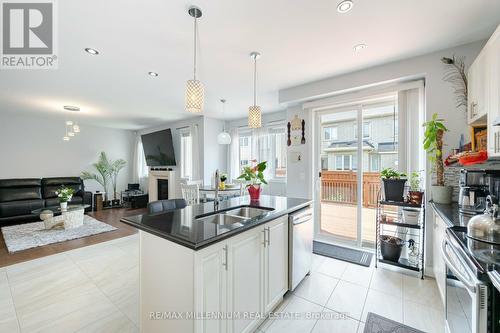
(223, 138)
(254, 112)
(194, 88)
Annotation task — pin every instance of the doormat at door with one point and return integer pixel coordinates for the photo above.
(358, 257)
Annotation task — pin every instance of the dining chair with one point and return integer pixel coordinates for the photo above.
(161, 206)
(191, 193)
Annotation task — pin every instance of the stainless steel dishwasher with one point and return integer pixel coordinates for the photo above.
(300, 245)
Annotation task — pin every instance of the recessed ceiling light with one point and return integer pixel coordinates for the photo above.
(359, 47)
(344, 6)
(71, 108)
(153, 74)
(91, 51)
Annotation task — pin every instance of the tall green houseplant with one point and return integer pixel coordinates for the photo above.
(102, 166)
(433, 145)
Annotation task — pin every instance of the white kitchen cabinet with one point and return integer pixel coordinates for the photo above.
(477, 93)
(438, 265)
(245, 279)
(210, 273)
(493, 60)
(245, 275)
(276, 269)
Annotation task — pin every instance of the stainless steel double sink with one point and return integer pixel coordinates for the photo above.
(234, 218)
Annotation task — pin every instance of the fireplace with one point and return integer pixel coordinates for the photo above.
(162, 189)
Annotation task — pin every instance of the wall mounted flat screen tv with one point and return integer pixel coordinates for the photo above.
(159, 148)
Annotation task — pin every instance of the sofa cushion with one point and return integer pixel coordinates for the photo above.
(51, 185)
(20, 189)
(24, 207)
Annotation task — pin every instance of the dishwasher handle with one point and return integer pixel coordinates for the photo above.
(302, 219)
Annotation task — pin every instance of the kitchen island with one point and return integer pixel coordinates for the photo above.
(204, 269)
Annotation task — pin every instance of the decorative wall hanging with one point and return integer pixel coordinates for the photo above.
(455, 74)
(296, 129)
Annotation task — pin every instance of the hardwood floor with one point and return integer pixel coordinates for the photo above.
(109, 216)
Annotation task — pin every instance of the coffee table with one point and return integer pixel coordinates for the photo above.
(70, 218)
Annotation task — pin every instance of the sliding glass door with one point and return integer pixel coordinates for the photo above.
(354, 144)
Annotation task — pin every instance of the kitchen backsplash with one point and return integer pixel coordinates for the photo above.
(452, 174)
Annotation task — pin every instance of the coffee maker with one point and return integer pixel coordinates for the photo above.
(474, 188)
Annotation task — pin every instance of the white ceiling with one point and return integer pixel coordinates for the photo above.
(300, 41)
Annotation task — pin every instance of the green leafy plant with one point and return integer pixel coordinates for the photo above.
(390, 173)
(433, 145)
(115, 168)
(415, 181)
(223, 177)
(254, 175)
(102, 167)
(65, 193)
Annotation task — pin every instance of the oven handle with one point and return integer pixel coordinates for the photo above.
(495, 279)
(459, 275)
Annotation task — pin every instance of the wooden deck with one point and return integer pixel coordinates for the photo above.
(340, 220)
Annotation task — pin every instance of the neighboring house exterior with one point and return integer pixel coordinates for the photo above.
(339, 141)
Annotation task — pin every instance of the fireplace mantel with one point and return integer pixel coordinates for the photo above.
(154, 175)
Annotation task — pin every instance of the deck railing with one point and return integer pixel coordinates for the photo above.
(341, 187)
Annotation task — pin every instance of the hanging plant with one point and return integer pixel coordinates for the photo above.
(455, 74)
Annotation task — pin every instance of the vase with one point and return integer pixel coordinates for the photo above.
(441, 194)
(64, 206)
(394, 189)
(254, 191)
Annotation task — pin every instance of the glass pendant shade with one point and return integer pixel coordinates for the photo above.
(194, 96)
(224, 138)
(254, 117)
(66, 138)
(76, 128)
(71, 134)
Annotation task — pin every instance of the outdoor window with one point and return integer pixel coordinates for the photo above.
(278, 152)
(374, 163)
(346, 162)
(186, 154)
(366, 130)
(245, 149)
(330, 133)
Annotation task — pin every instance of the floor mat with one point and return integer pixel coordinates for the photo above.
(379, 324)
(358, 257)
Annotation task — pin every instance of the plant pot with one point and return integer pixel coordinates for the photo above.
(390, 247)
(64, 206)
(254, 191)
(416, 197)
(222, 186)
(394, 189)
(116, 202)
(106, 203)
(441, 194)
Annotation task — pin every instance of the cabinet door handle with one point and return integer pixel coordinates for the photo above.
(225, 257)
(268, 236)
(264, 231)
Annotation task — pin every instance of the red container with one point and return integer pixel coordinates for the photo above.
(254, 191)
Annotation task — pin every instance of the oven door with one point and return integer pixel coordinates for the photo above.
(466, 296)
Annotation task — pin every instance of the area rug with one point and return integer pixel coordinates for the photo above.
(26, 236)
(379, 324)
(358, 257)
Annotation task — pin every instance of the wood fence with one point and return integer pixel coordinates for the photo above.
(341, 187)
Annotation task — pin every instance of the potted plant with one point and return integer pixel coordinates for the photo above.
(390, 247)
(65, 194)
(394, 184)
(114, 170)
(102, 175)
(255, 178)
(415, 193)
(433, 145)
(222, 183)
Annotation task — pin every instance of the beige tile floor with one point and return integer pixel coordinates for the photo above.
(96, 289)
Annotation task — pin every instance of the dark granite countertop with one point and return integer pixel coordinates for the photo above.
(450, 214)
(182, 227)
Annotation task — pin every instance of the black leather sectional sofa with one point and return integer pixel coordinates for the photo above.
(18, 197)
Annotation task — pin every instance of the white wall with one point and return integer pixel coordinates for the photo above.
(33, 147)
(439, 98)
